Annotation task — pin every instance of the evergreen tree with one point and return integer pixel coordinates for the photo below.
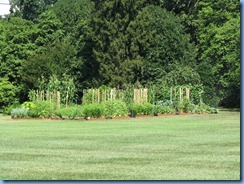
(30, 9)
(112, 41)
(159, 39)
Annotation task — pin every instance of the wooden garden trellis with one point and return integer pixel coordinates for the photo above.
(102, 95)
(46, 95)
(141, 95)
(182, 92)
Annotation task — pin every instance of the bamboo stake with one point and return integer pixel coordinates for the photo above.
(180, 96)
(58, 99)
(171, 93)
(97, 96)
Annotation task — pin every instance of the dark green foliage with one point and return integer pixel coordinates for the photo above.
(218, 33)
(183, 76)
(18, 36)
(165, 48)
(7, 110)
(41, 67)
(155, 43)
(75, 16)
(109, 26)
(8, 93)
(30, 9)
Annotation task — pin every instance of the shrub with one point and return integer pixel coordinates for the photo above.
(115, 108)
(43, 109)
(7, 110)
(202, 108)
(177, 106)
(164, 110)
(93, 110)
(146, 108)
(133, 109)
(69, 112)
(155, 110)
(186, 105)
(8, 92)
(141, 109)
(28, 105)
(19, 113)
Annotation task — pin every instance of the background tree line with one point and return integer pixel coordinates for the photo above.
(117, 43)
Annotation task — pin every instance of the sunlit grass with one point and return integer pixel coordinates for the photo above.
(184, 147)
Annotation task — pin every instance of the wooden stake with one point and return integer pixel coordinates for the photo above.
(98, 96)
(171, 94)
(180, 96)
(58, 99)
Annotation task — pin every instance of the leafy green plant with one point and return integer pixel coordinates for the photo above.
(146, 108)
(8, 92)
(177, 106)
(28, 105)
(202, 108)
(140, 109)
(43, 109)
(69, 112)
(7, 110)
(93, 110)
(87, 98)
(19, 113)
(115, 108)
(164, 110)
(134, 109)
(155, 110)
(186, 105)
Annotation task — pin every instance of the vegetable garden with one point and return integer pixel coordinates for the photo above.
(108, 103)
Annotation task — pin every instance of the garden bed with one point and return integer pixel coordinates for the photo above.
(94, 119)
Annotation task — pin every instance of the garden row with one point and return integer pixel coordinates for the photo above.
(108, 109)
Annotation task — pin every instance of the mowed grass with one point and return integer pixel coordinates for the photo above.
(183, 147)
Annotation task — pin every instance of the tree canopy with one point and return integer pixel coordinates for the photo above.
(123, 42)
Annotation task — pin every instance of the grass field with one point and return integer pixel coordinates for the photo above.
(184, 147)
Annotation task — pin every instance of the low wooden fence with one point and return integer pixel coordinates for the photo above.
(46, 95)
(102, 95)
(139, 96)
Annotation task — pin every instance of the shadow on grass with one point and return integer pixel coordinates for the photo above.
(229, 109)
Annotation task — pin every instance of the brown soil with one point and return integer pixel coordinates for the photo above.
(95, 119)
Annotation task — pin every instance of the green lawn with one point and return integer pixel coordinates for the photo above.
(184, 147)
